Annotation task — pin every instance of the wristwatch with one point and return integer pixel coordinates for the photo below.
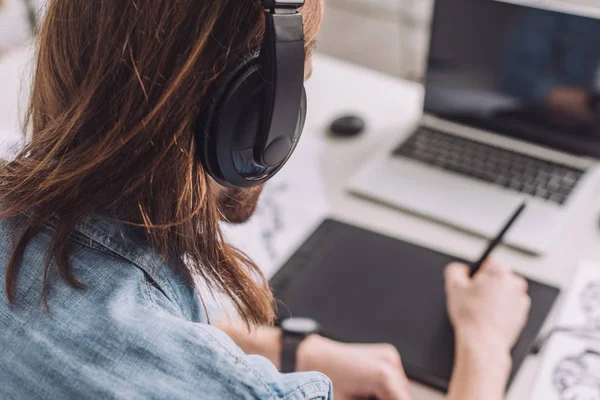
(294, 331)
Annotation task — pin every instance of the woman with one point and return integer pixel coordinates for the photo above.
(108, 217)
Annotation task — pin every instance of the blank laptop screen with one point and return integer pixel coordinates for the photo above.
(523, 72)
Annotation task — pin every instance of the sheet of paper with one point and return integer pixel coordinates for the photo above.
(570, 367)
(291, 207)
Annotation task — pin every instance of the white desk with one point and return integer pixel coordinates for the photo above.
(15, 75)
(390, 106)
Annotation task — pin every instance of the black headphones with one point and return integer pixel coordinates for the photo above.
(257, 113)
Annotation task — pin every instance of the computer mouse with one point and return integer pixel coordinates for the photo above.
(347, 126)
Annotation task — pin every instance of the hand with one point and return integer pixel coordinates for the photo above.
(489, 310)
(571, 100)
(357, 371)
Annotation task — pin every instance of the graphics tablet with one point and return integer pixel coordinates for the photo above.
(363, 287)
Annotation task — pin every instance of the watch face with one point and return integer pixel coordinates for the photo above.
(300, 325)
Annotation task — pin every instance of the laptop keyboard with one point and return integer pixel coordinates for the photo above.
(515, 171)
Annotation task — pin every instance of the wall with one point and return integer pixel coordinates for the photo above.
(388, 35)
(392, 35)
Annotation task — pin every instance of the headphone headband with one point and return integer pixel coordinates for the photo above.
(282, 60)
(283, 4)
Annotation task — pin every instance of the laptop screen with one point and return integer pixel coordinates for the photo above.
(524, 72)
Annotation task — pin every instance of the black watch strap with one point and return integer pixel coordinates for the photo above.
(289, 352)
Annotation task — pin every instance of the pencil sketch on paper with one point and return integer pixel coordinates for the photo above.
(589, 301)
(577, 376)
(271, 216)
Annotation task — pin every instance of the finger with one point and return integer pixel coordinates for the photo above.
(389, 354)
(491, 266)
(517, 282)
(457, 275)
(527, 304)
(521, 284)
(391, 385)
(405, 392)
(405, 384)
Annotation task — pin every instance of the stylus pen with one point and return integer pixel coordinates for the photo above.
(494, 243)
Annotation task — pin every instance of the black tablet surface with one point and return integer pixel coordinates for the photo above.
(364, 287)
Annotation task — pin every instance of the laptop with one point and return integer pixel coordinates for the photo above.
(511, 112)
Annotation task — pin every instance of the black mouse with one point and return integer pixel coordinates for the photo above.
(347, 126)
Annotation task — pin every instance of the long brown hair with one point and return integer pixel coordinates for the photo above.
(116, 90)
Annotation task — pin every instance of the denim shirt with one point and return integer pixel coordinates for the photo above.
(551, 49)
(138, 331)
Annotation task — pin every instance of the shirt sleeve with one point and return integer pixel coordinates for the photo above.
(166, 357)
(268, 382)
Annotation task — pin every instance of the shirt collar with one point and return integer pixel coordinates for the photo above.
(131, 244)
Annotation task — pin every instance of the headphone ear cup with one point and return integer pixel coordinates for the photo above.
(227, 130)
(233, 126)
(302, 115)
(207, 122)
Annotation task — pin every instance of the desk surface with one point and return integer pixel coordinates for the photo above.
(391, 106)
(15, 75)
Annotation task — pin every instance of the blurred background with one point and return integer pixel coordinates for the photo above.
(387, 35)
(15, 22)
